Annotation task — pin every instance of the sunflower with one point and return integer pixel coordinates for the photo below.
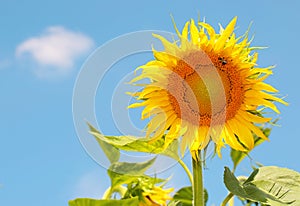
(156, 197)
(206, 87)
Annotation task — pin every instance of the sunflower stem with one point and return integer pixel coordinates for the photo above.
(198, 189)
(186, 169)
(108, 193)
(227, 199)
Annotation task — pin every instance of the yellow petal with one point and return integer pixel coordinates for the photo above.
(230, 139)
(138, 104)
(170, 48)
(253, 118)
(169, 59)
(194, 33)
(210, 30)
(204, 138)
(271, 97)
(164, 126)
(255, 130)
(173, 133)
(264, 86)
(225, 35)
(184, 37)
(243, 133)
(185, 31)
(187, 138)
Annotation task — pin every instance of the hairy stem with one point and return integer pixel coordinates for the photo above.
(198, 189)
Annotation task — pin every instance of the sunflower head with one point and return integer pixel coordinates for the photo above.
(206, 87)
(148, 192)
(156, 196)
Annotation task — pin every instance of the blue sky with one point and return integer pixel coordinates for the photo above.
(42, 160)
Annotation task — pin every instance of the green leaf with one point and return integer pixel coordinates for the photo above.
(92, 202)
(134, 144)
(205, 196)
(131, 168)
(111, 152)
(233, 184)
(174, 203)
(184, 196)
(172, 150)
(238, 156)
(268, 185)
(282, 183)
(124, 172)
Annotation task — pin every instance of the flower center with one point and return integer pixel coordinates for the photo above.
(205, 90)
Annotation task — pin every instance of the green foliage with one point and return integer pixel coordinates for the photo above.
(268, 185)
(280, 182)
(133, 144)
(111, 152)
(174, 203)
(92, 202)
(184, 196)
(125, 173)
(133, 174)
(136, 188)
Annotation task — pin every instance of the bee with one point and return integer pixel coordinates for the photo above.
(222, 60)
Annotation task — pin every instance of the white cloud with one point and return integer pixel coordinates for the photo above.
(56, 49)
